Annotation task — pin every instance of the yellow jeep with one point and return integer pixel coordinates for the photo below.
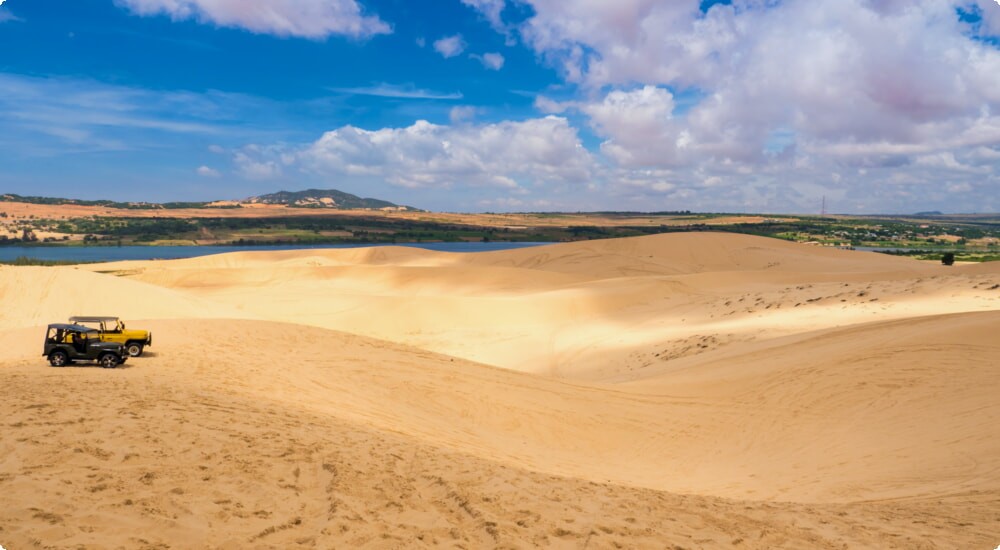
(113, 330)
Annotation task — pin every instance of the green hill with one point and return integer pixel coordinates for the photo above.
(323, 198)
(310, 198)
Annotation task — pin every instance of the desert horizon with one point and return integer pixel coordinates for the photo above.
(500, 274)
(683, 390)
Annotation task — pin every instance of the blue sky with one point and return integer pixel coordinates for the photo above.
(491, 105)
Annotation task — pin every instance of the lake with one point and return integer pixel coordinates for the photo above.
(118, 253)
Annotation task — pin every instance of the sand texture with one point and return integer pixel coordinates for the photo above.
(675, 391)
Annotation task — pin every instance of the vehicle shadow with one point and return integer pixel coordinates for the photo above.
(90, 366)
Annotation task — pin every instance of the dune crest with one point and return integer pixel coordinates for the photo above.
(35, 296)
(587, 310)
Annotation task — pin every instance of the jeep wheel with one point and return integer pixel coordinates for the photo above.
(58, 359)
(109, 360)
(134, 349)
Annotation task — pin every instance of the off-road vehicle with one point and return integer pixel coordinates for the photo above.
(67, 343)
(113, 330)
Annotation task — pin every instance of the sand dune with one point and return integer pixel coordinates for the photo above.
(586, 310)
(683, 253)
(691, 390)
(41, 295)
(379, 445)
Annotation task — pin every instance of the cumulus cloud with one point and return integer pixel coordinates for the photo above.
(784, 93)
(450, 46)
(990, 16)
(207, 172)
(751, 104)
(822, 68)
(506, 155)
(640, 126)
(315, 19)
(493, 61)
(491, 9)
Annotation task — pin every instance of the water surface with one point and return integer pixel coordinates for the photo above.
(118, 253)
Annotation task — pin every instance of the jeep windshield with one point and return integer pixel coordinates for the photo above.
(64, 333)
(109, 324)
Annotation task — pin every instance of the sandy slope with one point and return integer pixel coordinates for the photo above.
(587, 310)
(41, 295)
(798, 397)
(381, 445)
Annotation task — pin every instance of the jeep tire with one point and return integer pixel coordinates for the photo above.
(134, 349)
(109, 360)
(58, 358)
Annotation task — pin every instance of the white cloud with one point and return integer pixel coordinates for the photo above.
(450, 46)
(461, 113)
(991, 16)
(254, 170)
(552, 107)
(493, 61)
(760, 97)
(58, 115)
(314, 19)
(207, 172)
(983, 155)
(758, 103)
(257, 162)
(491, 9)
(640, 126)
(408, 91)
(821, 69)
(7, 16)
(507, 154)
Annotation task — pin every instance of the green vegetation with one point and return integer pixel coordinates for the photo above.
(26, 261)
(310, 198)
(969, 238)
(314, 198)
(11, 197)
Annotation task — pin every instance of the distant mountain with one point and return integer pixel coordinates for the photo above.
(12, 197)
(324, 198)
(310, 198)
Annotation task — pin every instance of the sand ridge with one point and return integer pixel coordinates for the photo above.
(690, 390)
(39, 295)
(170, 459)
(575, 310)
